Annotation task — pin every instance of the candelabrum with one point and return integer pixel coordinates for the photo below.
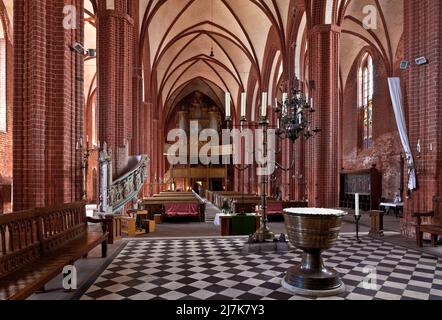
(357, 218)
(263, 234)
(85, 154)
(293, 123)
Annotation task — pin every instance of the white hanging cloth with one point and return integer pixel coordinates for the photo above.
(398, 107)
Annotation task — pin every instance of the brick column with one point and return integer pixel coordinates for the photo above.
(423, 101)
(324, 71)
(48, 104)
(137, 128)
(116, 32)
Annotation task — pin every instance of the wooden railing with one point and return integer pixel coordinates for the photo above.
(126, 188)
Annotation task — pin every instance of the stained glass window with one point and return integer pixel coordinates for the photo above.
(366, 87)
(3, 111)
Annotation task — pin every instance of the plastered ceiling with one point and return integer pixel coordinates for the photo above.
(182, 33)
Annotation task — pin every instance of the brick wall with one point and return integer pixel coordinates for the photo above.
(48, 104)
(6, 81)
(386, 150)
(422, 37)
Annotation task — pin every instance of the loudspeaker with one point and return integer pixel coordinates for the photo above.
(421, 61)
(91, 53)
(404, 65)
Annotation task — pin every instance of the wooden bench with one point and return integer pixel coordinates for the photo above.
(36, 245)
(435, 228)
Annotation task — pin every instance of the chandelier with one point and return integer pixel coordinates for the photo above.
(293, 123)
(292, 116)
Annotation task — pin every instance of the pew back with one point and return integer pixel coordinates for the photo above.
(28, 235)
(19, 240)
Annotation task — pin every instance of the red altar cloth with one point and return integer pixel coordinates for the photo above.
(181, 209)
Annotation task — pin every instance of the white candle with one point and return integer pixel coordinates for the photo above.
(284, 102)
(278, 125)
(419, 146)
(284, 97)
(228, 112)
(311, 103)
(357, 212)
(264, 105)
(243, 104)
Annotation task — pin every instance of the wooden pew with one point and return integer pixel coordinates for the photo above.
(36, 245)
(174, 194)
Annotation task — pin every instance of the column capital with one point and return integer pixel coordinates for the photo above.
(325, 28)
(117, 15)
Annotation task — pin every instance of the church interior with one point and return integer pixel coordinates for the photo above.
(220, 150)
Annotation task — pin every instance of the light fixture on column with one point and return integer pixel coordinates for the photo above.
(85, 154)
(80, 49)
(212, 54)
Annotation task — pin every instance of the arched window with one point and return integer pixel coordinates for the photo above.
(366, 85)
(3, 112)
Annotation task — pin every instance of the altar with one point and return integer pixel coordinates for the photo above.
(237, 225)
(398, 208)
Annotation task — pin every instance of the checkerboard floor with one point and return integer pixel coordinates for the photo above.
(215, 269)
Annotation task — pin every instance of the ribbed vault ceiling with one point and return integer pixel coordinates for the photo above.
(385, 38)
(181, 34)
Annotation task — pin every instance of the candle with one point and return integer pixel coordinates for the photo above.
(264, 105)
(228, 113)
(243, 104)
(284, 97)
(284, 102)
(357, 212)
(311, 103)
(278, 125)
(419, 146)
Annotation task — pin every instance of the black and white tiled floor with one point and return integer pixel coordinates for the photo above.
(215, 269)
